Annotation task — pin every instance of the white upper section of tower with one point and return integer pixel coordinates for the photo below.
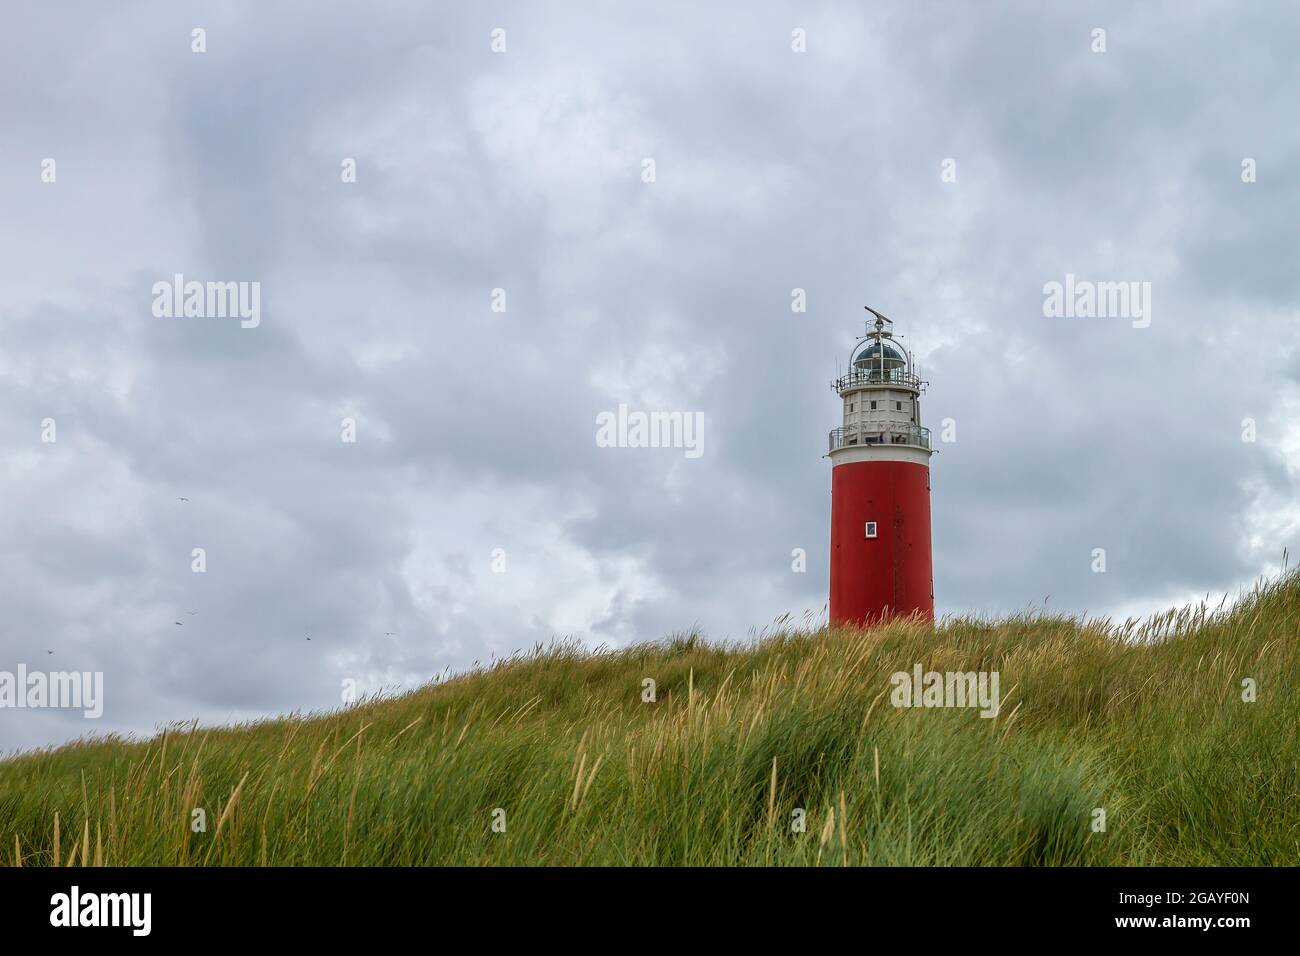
(881, 394)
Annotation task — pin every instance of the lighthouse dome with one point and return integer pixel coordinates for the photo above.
(875, 355)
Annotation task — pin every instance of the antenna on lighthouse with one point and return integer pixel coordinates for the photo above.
(881, 320)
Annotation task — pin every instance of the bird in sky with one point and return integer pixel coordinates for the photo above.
(309, 638)
(179, 624)
(182, 499)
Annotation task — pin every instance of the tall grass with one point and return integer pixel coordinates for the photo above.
(1144, 721)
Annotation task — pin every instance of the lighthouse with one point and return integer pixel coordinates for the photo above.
(880, 486)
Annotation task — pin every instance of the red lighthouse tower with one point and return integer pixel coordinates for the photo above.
(880, 487)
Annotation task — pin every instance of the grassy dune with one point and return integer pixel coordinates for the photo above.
(1147, 723)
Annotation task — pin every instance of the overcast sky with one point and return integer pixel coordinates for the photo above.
(941, 162)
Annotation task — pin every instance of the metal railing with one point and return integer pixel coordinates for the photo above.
(849, 435)
(861, 377)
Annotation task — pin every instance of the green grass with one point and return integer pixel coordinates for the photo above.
(1144, 721)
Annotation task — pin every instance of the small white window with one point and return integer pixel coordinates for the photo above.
(871, 529)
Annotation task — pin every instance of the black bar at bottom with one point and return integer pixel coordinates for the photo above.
(338, 905)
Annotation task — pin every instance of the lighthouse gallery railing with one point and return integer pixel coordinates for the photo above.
(848, 435)
(863, 377)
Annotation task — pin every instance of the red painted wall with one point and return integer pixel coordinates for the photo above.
(891, 574)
